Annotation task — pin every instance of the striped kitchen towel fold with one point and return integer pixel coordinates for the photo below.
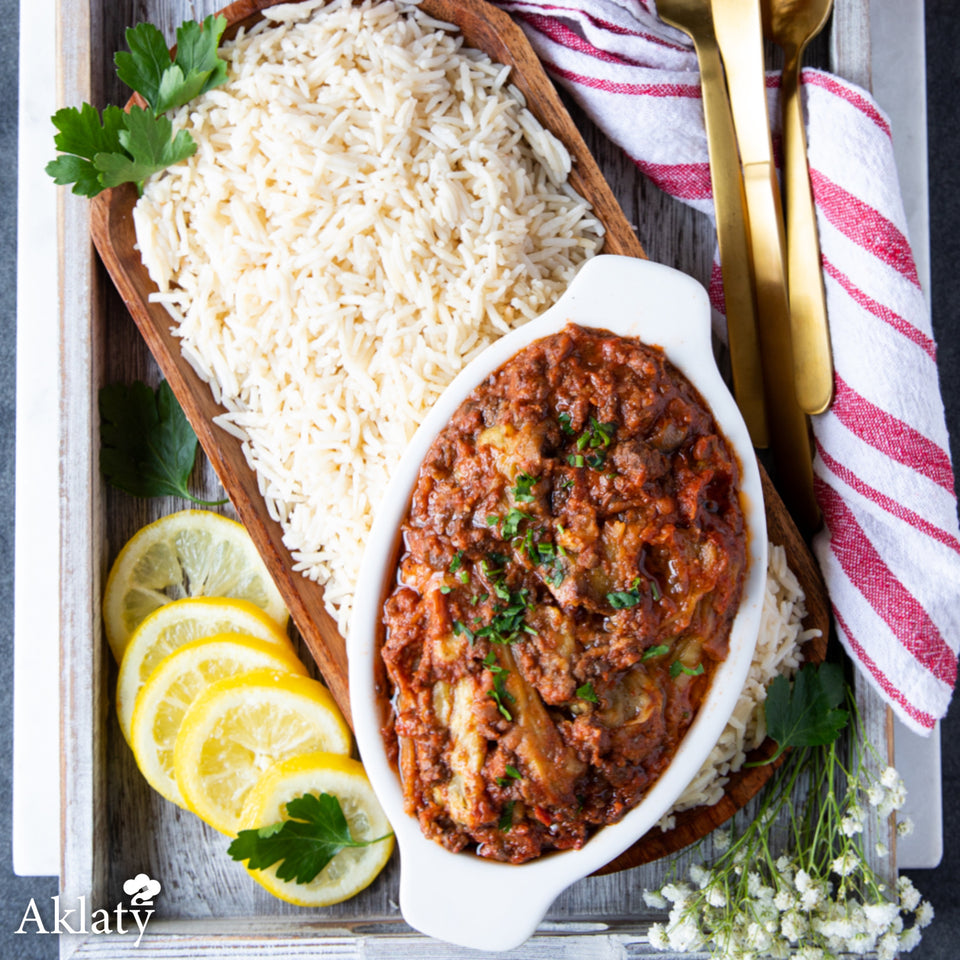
(890, 547)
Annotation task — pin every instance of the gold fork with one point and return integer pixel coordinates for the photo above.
(740, 38)
(694, 18)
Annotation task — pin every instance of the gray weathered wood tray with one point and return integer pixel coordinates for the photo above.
(113, 825)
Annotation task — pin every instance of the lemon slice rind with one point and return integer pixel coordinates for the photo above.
(240, 726)
(181, 622)
(172, 687)
(189, 553)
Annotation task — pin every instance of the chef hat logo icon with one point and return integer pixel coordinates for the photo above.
(141, 890)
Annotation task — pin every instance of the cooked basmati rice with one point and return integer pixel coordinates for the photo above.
(370, 205)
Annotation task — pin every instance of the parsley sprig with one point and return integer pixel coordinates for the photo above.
(127, 147)
(147, 446)
(303, 845)
(806, 714)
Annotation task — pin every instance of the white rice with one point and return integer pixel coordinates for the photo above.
(779, 650)
(369, 207)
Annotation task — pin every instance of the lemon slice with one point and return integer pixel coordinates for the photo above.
(177, 682)
(353, 868)
(193, 553)
(240, 726)
(178, 623)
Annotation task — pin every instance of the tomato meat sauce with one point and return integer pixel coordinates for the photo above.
(572, 560)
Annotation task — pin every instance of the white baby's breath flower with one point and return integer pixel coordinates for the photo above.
(845, 864)
(810, 953)
(677, 893)
(792, 926)
(862, 943)
(784, 900)
(909, 895)
(700, 875)
(683, 936)
(758, 938)
(887, 947)
(757, 888)
(716, 896)
(881, 914)
(721, 840)
(811, 898)
(875, 794)
(909, 939)
(654, 900)
(881, 849)
(658, 936)
(924, 914)
(851, 826)
(904, 827)
(802, 881)
(890, 778)
(894, 800)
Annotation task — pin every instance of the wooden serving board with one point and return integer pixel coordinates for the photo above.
(112, 823)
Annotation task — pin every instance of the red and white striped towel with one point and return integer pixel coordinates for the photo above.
(890, 548)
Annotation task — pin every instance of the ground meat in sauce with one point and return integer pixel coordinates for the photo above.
(574, 555)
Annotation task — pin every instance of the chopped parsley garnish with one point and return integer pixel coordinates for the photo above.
(506, 818)
(459, 627)
(676, 668)
(657, 651)
(595, 460)
(565, 424)
(445, 589)
(524, 486)
(622, 599)
(511, 525)
(499, 691)
(508, 624)
(566, 483)
(463, 576)
(554, 577)
(596, 435)
(512, 774)
(456, 562)
(586, 692)
(575, 460)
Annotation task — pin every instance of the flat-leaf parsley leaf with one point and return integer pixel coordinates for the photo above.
(303, 845)
(806, 714)
(147, 446)
(129, 147)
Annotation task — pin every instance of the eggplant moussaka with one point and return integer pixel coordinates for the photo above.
(572, 560)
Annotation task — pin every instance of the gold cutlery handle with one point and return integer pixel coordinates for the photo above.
(812, 359)
(728, 198)
(787, 423)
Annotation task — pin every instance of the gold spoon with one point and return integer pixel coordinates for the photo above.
(791, 24)
(694, 17)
